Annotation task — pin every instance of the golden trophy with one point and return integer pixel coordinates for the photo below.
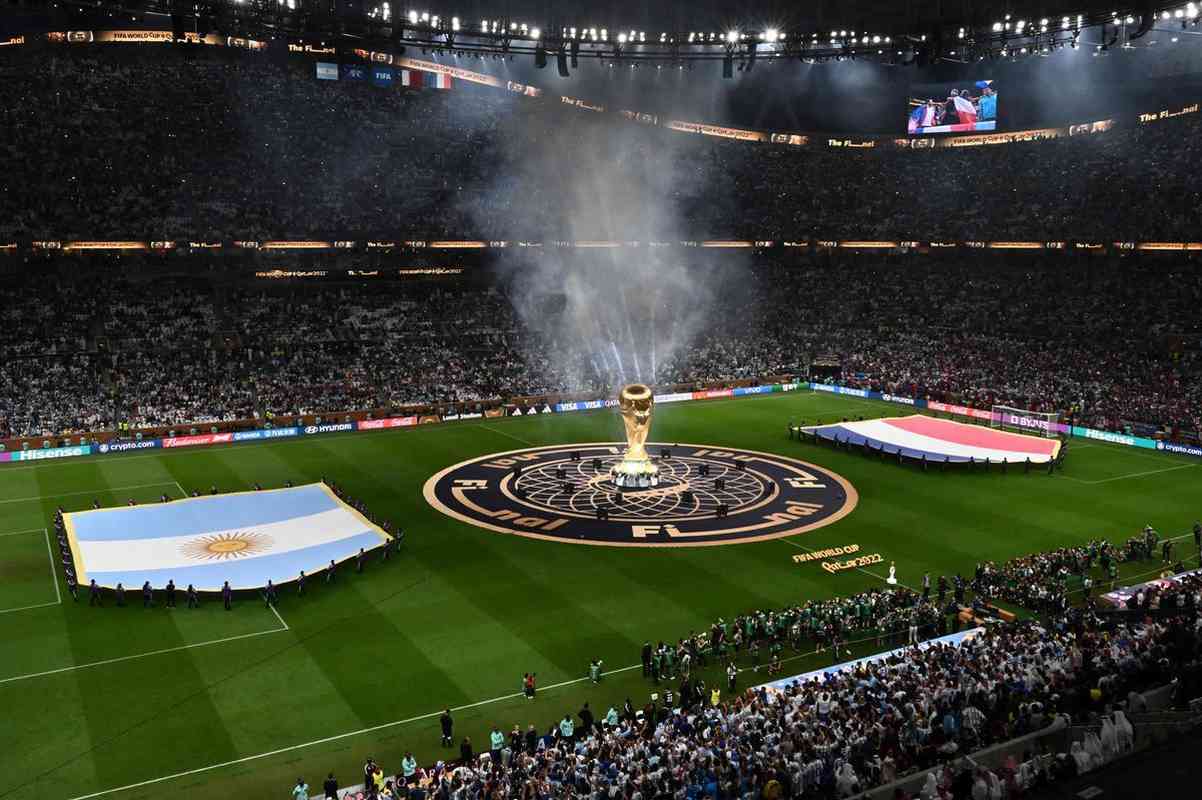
(635, 470)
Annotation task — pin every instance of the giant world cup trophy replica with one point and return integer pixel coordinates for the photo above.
(635, 470)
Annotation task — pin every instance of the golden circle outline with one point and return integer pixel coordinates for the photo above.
(850, 502)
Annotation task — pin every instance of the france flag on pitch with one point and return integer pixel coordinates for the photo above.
(244, 538)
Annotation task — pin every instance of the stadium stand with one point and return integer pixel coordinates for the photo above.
(79, 359)
(230, 147)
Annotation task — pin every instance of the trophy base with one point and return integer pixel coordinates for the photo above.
(640, 474)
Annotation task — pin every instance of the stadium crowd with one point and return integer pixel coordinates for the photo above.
(923, 707)
(77, 358)
(1041, 581)
(148, 143)
(894, 616)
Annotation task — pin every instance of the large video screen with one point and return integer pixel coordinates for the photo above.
(963, 107)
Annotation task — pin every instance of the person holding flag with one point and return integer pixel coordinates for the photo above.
(966, 112)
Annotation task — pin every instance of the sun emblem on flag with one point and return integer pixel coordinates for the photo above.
(225, 546)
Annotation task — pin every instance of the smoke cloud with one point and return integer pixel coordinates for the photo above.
(608, 316)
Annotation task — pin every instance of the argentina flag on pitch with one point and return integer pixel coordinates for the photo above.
(245, 538)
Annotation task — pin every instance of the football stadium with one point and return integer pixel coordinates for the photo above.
(627, 401)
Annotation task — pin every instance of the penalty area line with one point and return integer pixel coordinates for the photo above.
(120, 659)
(18, 533)
(335, 738)
(58, 595)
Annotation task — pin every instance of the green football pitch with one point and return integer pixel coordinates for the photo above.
(134, 703)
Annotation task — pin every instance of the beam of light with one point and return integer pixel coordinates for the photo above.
(653, 338)
(618, 358)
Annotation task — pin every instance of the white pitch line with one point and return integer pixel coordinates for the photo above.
(335, 738)
(503, 433)
(1132, 475)
(89, 491)
(281, 619)
(18, 533)
(1157, 456)
(58, 595)
(119, 659)
(182, 493)
(29, 608)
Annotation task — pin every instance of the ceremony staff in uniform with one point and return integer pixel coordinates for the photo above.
(448, 727)
(227, 595)
(170, 593)
(193, 600)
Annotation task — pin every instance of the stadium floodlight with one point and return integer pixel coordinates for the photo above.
(771, 34)
(621, 38)
(1191, 10)
(732, 36)
(412, 17)
(1179, 13)
(997, 27)
(535, 34)
(454, 23)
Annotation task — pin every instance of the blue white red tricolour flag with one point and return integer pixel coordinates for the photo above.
(415, 79)
(918, 437)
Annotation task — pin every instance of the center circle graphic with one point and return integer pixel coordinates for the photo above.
(704, 495)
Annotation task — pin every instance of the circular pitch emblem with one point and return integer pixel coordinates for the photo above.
(705, 496)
